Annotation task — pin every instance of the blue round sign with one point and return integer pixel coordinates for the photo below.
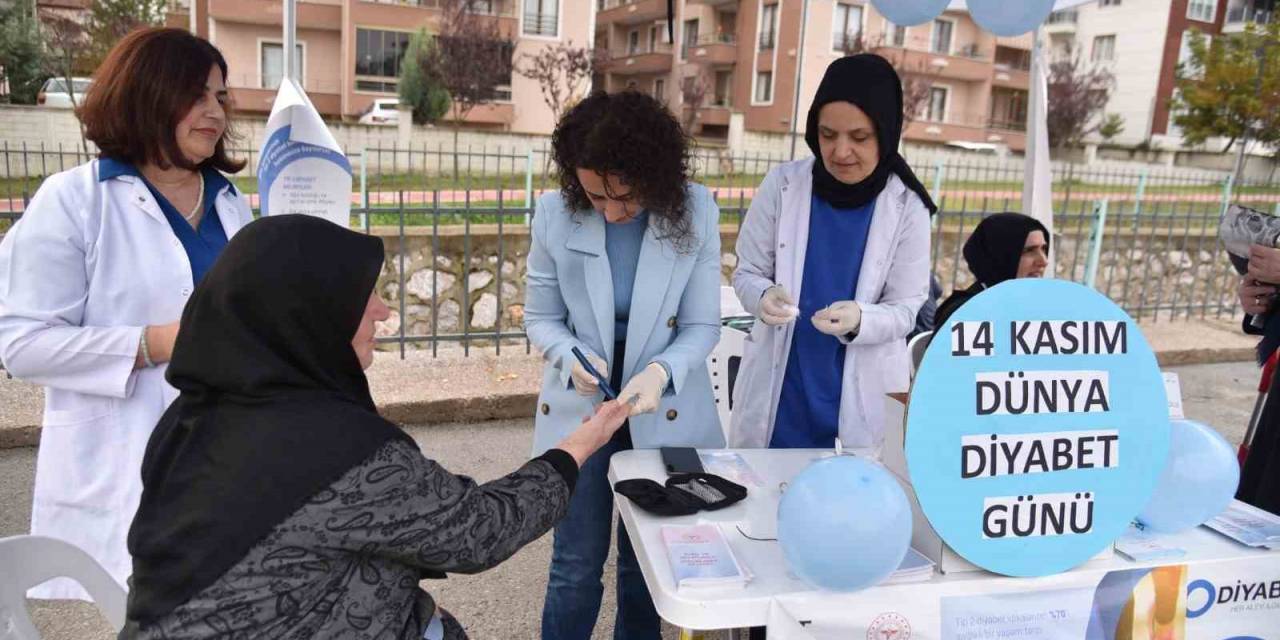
(1037, 427)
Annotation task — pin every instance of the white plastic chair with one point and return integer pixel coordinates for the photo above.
(731, 345)
(916, 347)
(27, 561)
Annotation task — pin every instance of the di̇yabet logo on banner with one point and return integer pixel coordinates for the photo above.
(1037, 427)
(302, 169)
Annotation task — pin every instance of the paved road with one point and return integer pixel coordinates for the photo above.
(506, 602)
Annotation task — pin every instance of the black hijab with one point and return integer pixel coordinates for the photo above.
(994, 249)
(274, 405)
(992, 252)
(869, 83)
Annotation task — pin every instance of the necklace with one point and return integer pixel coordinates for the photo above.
(199, 200)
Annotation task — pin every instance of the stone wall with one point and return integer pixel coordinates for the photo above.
(478, 285)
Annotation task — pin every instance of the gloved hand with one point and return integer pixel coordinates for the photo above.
(777, 307)
(839, 319)
(646, 387)
(584, 382)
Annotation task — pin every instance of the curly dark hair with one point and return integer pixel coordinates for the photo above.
(634, 137)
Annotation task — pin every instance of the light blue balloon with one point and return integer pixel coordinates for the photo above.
(908, 13)
(1010, 17)
(1199, 479)
(844, 524)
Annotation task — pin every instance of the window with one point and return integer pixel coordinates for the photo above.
(271, 57)
(768, 25)
(942, 37)
(1109, 3)
(378, 54)
(1202, 10)
(1104, 49)
(846, 29)
(1184, 50)
(1009, 109)
(541, 17)
(660, 90)
(653, 38)
(633, 43)
(764, 86)
(937, 104)
(690, 37)
(897, 34)
(724, 84)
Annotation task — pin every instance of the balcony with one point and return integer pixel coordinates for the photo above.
(965, 129)
(1062, 22)
(726, 4)
(310, 15)
(713, 116)
(1238, 17)
(968, 65)
(250, 94)
(629, 11)
(714, 49)
(639, 60)
(1010, 77)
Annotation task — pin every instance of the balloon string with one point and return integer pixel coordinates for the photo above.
(744, 534)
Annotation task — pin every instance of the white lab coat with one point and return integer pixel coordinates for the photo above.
(82, 272)
(892, 285)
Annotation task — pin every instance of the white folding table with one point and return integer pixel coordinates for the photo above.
(772, 586)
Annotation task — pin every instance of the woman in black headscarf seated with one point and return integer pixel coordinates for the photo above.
(1003, 247)
(276, 501)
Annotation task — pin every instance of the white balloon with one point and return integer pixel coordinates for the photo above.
(908, 13)
(1010, 17)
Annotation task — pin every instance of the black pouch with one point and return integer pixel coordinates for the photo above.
(684, 494)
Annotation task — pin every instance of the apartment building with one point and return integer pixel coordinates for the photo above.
(351, 50)
(1142, 42)
(748, 58)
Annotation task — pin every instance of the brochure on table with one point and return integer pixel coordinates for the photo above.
(1036, 432)
(302, 169)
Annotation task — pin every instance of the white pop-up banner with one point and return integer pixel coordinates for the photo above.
(302, 168)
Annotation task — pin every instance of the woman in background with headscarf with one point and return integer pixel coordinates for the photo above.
(833, 257)
(1002, 247)
(276, 502)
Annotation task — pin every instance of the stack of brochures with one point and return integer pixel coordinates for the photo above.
(1247, 525)
(915, 567)
(701, 557)
(1140, 545)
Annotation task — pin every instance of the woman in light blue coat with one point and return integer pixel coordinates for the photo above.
(624, 264)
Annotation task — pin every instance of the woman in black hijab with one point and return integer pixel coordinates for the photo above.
(1002, 247)
(276, 501)
(833, 257)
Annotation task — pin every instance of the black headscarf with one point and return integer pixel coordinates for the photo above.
(274, 404)
(992, 252)
(994, 249)
(869, 82)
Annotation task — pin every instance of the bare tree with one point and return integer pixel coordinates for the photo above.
(472, 58)
(1077, 96)
(563, 73)
(65, 41)
(693, 92)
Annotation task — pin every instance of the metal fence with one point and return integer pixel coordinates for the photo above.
(455, 227)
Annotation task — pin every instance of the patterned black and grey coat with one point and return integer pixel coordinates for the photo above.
(349, 562)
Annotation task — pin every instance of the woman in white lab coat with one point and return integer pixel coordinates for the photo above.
(95, 274)
(833, 258)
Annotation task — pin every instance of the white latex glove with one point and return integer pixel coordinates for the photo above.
(839, 319)
(584, 382)
(646, 387)
(777, 307)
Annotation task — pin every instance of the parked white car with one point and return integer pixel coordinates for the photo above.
(382, 111)
(54, 92)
